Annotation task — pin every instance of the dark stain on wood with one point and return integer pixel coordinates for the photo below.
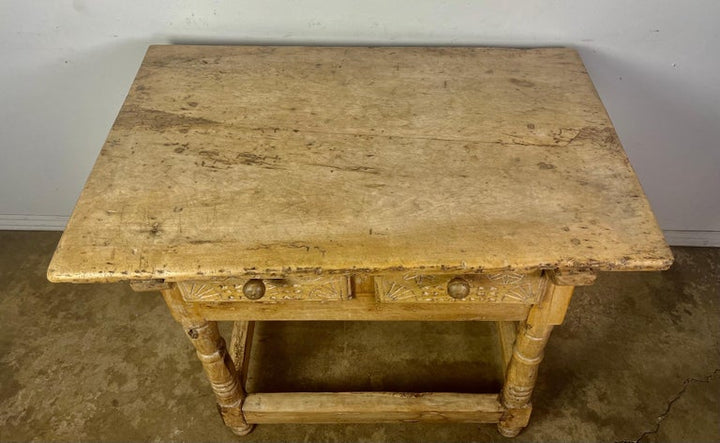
(133, 116)
(523, 83)
(349, 168)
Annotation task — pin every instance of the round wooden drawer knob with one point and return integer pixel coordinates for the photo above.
(458, 288)
(254, 289)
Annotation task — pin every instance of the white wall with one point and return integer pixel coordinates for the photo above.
(66, 66)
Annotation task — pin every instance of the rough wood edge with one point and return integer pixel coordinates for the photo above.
(572, 277)
(371, 407)
(149, 285)
(59, 275)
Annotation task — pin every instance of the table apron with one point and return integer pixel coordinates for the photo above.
(361, 308)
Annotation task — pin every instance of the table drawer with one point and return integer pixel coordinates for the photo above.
(310, 288)
(502, 287)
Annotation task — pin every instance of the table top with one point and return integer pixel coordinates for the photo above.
(238, 160)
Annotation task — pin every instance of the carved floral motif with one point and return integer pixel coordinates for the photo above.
(502, 287)
(318, 288)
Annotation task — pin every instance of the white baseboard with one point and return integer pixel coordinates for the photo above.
(58, 222)
(693, 238)
(33, 222)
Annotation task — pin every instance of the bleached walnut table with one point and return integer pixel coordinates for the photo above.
(304, 183)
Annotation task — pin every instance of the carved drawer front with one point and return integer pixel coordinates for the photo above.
(254, 290)
(504, 287)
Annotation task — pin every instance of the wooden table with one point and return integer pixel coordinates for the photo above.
(305, 183)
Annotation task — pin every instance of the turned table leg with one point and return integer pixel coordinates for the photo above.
(217, 363)
(521, 377)
(527, 353)
(220, 371)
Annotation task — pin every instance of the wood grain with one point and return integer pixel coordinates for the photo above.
(362, 307)
(235, 161)
(371, 407)
(240, 347)
(507, 333)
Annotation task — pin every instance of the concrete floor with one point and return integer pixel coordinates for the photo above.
(637, 358)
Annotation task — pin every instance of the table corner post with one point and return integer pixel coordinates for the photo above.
(529, 347)
(219, 367)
